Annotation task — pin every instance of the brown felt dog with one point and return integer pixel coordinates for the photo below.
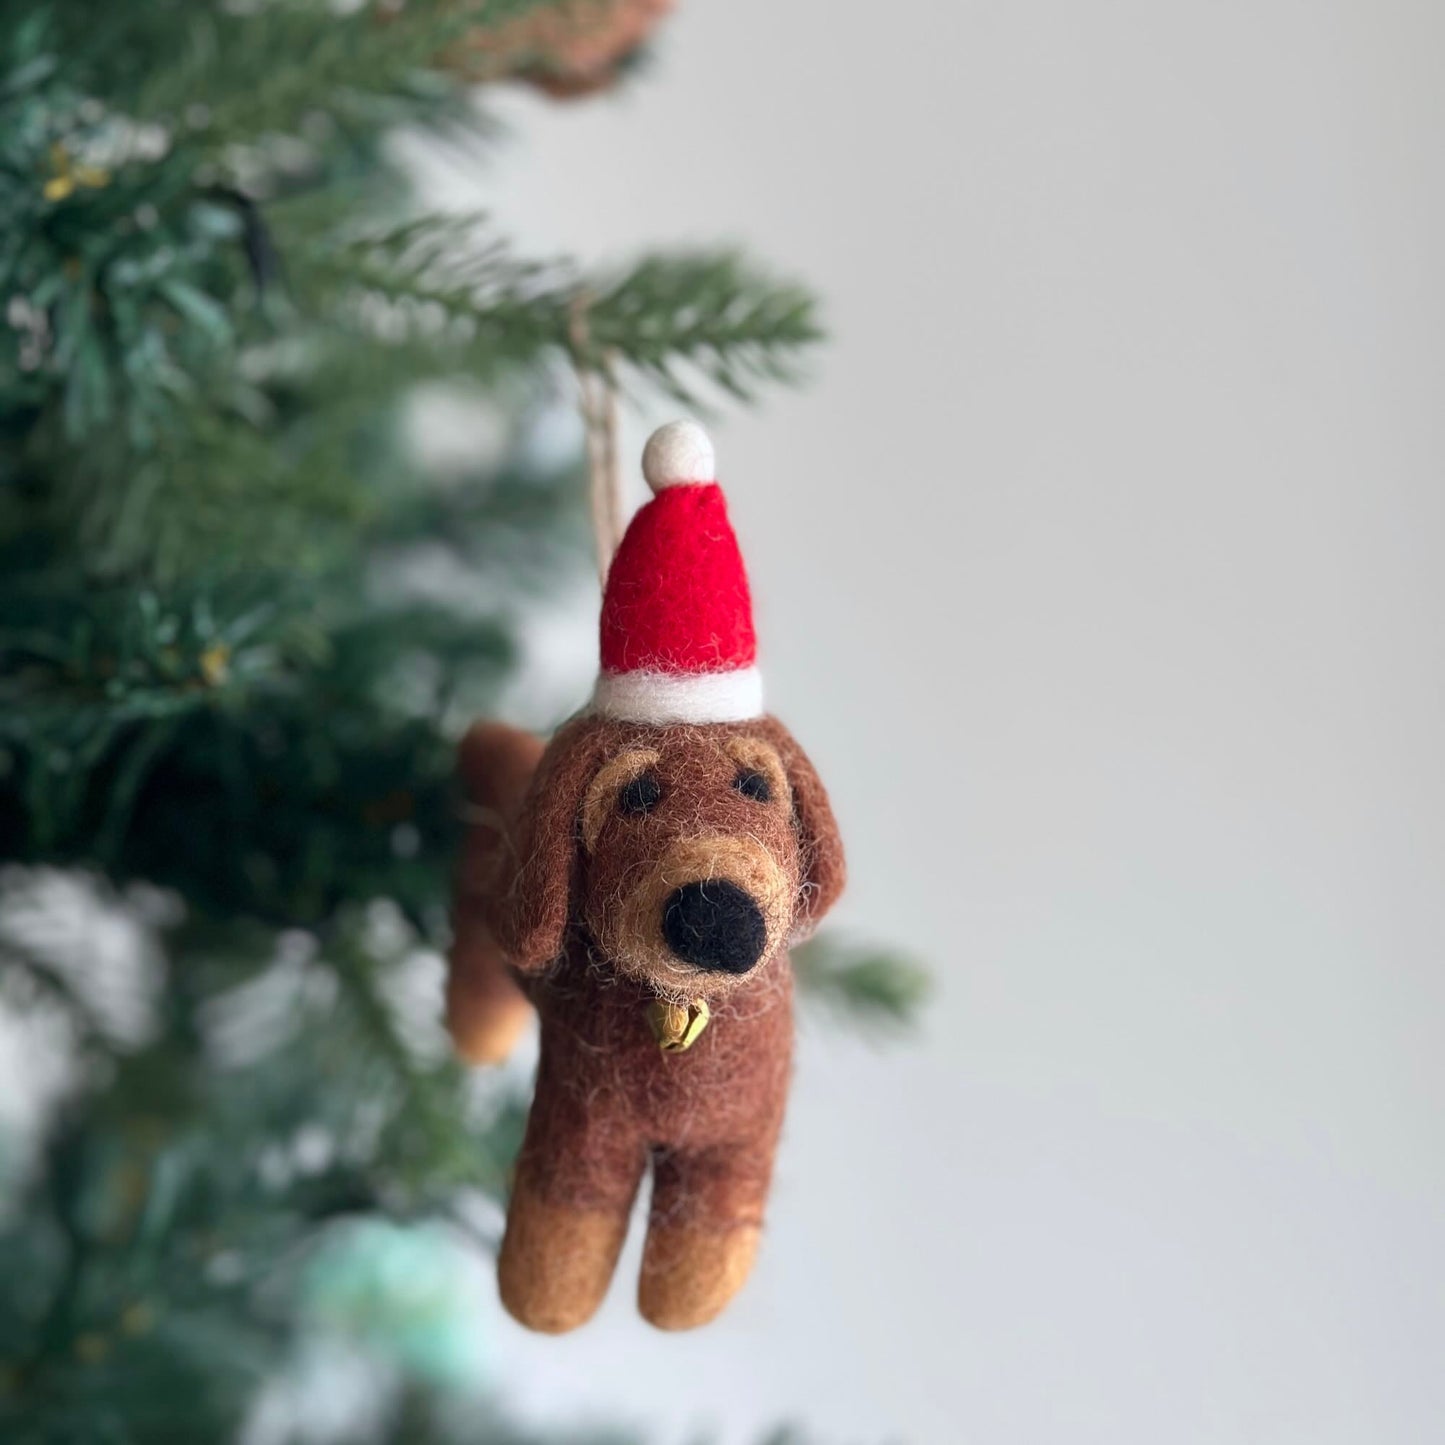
(639, 883)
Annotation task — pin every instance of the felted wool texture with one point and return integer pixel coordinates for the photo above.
(486, 1010)
(557, 1262)
(529, 904)
(547, 883)
(701, 828)
(564, 905)
(608, 1101)
(663, 698)
(677, 453)
(567, 50)
(608, 1098)
(687, 1278)
(677, 598)
(821, 863)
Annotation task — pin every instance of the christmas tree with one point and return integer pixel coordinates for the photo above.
(243, 619)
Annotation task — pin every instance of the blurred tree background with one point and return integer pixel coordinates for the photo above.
(243, 618)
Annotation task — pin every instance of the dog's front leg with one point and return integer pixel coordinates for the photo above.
(576, 1179)
(703, 1230)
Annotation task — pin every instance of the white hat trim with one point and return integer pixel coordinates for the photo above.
(661, 698)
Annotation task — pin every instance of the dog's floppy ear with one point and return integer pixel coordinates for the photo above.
(496, 763)
(531, 908)
(820, 845)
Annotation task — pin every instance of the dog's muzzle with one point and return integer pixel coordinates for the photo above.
(716, 925)
(699, 917)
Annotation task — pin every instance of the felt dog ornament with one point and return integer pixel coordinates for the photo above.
(638, 883)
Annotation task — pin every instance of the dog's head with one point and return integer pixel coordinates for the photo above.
(690, 854)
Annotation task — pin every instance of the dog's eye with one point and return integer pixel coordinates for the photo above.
(641, 795)
(752, 784)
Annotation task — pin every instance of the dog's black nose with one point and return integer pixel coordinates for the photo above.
(715, 925)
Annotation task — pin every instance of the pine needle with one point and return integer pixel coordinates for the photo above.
(870, 987)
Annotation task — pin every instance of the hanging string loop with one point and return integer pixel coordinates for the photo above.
(596, 373)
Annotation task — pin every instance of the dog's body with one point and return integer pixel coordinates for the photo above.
(608, 1099)
(624, 866)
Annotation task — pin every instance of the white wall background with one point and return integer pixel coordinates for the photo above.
(1099, 568)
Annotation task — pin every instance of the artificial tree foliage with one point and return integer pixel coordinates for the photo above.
(220, 719)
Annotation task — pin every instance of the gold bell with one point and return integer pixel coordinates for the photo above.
(674, 1027)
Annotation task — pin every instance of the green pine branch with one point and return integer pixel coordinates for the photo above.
(226, 76)
(673, 320)
(709, 316)
(163, 1233)
(212, 331)
(871, 987)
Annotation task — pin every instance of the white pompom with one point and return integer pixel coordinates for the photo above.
(678, 453)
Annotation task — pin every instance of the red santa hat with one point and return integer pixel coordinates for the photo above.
(677, 619)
